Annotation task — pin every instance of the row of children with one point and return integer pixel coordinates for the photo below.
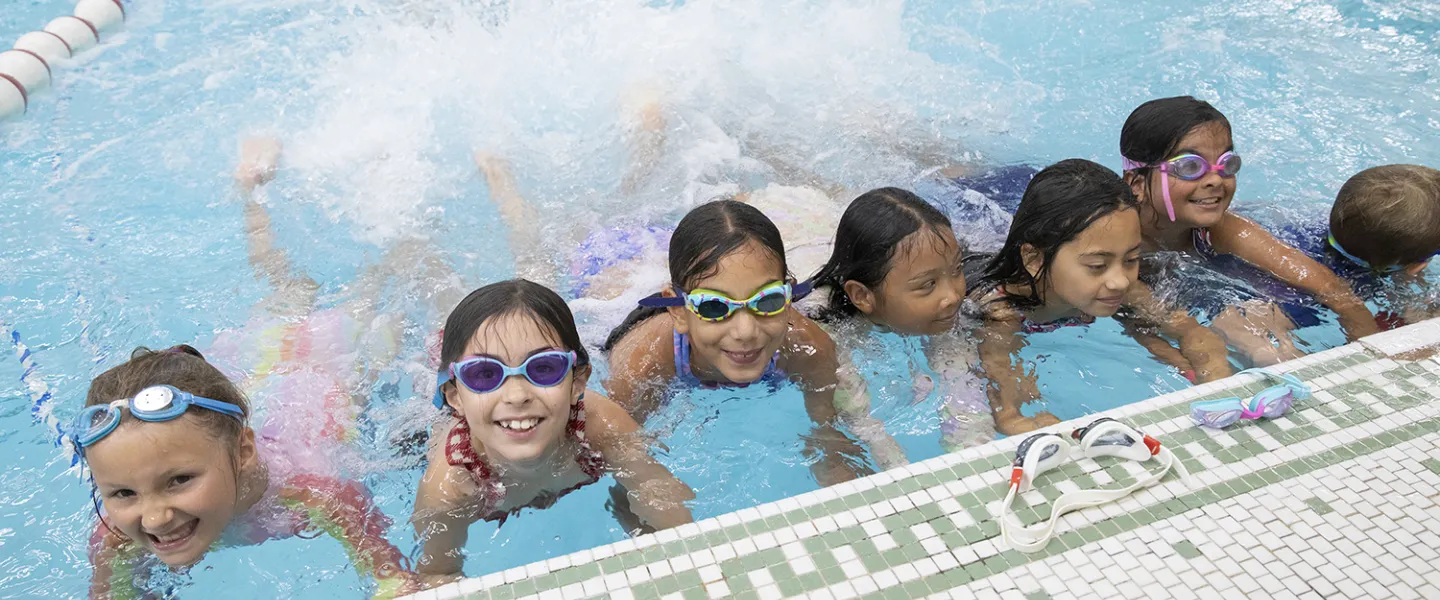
(522, 425)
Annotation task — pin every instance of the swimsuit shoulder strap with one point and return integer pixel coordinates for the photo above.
(591, 461)
(682, 355)
(460, 452)
(1200, 236)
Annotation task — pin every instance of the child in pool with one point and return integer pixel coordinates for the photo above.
(1180, 162)
(609, 264)
(314, 368)
(1384, 228)
(1073, 255)
(896, 265)
(523, 431)
(176, 485)
(727, 321)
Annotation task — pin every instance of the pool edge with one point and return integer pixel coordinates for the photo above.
(842, 541)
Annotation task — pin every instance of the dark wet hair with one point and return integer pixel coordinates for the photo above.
(1155, 128)
(703, 238)
(506, 298)
(870, 232)
(1389, 215)
(1061, 202)
(182, 367)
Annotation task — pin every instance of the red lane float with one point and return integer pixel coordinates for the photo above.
(29, 67)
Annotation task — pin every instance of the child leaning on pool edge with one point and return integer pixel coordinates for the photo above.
(1180, 162)
(1072, 256)
(1385, 225)
(897, 266)
(726, 320)
(523, 431)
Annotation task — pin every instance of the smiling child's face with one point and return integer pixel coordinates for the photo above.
(169, 486)
(1200, 203)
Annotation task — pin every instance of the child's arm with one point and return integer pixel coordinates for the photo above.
(659, 497)
(1011, 386)
(115, 561)
(811, 361)
(641, 366)
(520, 217)
(345, 511)
(259, 158)
(852, 400)
(442, 519)
(1251, 243)
(1160, 348)
(1200, 346)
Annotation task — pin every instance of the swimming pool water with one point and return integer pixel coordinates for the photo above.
(120, 229)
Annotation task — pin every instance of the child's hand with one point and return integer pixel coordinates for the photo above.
(404, 585)
(1015, 423)
(431, 580)
(259, 157)
(924, 384)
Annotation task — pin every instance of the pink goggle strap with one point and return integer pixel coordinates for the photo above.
(1131, 165)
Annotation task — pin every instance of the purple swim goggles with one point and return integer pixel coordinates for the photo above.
(1269, 403)
(1187, 167)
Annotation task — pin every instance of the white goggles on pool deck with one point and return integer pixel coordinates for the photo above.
(1044, 451)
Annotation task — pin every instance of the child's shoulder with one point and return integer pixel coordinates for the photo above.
(641, 350)
(991, 304)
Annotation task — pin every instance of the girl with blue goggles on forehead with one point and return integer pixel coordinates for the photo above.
(178, 472)
(168, 441)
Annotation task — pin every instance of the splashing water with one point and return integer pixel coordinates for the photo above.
(121, 229)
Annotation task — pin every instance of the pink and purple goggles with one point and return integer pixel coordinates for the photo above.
(1187, 167)
(482, 374)
(1269, 403)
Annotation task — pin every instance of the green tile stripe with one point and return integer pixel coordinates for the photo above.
(1194, 500)
(982, 528)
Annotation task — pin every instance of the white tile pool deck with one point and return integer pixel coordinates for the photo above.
(1340, 498)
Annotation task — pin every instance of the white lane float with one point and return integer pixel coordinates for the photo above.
(29, 67)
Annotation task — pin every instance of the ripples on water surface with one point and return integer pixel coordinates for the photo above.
(120, 229)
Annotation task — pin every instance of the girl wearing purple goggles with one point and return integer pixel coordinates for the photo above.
(522, 430)
(1180, 161)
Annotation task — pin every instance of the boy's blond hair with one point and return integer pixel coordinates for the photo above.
(1389, 215)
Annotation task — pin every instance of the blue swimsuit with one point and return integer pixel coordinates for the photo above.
(772, 377)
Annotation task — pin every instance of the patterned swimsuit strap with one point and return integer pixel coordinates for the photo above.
(460, 452)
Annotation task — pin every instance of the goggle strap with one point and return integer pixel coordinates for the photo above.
(801, 290)
(657, 300)
(218, 406)
(441, 379)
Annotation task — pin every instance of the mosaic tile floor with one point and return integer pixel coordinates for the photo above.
(1338, 499)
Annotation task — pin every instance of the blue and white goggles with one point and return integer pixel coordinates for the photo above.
(154, 404)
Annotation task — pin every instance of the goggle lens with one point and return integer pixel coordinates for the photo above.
(1191, 167)
(485, 375)
(771, 303)
(1229, 165)
(713, 309)
(547, 370)
(94, 423)
(481, 376)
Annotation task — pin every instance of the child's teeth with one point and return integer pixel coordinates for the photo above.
(520, 425)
